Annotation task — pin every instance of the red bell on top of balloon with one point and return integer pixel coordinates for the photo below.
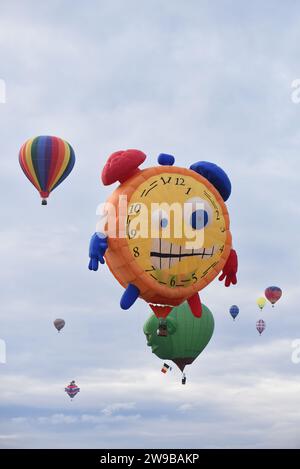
(273, 294)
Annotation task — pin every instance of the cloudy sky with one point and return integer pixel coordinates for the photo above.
(202, 79)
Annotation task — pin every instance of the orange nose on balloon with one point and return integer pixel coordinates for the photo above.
(161, 311)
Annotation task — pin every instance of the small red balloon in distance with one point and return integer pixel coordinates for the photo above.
(273, 294)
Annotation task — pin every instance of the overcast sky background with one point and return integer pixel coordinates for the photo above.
(200, 80)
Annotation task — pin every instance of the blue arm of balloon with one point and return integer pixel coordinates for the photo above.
(98, 246)
(129, 296)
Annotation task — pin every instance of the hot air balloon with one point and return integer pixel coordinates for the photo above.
(165, 368)
(72, 390)
(234, 311)
(261, 301)
(143, 249)
(59, 324)
(187, 338)
(46, 162)
(260, 326)
(273, 294)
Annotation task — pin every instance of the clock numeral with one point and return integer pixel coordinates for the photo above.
(167, 181)
(153, 185)
(134, 208)
(136, 252)
(179, 182)
(188, 191)
(217, 215)
(173, 281)
(132, 233)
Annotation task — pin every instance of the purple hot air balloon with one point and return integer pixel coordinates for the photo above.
(72, 390)
(260, 326)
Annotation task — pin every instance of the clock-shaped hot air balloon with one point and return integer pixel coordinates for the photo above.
(142, 242)
(46, 161)
(188, 335)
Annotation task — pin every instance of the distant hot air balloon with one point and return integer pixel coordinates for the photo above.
(46, 162)
(165, 368)
(72, 390)
(234, 311)
(261, 301)
(273, 294)
(260, 326)
(187, 335)
(59, 324)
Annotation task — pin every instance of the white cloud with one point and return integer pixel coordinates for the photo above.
(204, 82)
(113, 408)
(185, 407)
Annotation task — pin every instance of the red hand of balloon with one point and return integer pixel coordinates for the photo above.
(230, 269)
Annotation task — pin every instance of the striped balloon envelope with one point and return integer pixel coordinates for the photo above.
(260, 326)
(72, 390)
(46, 161)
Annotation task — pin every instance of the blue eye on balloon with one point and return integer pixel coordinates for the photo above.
(199, 219)
(164, 222)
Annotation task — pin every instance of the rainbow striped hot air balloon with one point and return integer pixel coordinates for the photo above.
(46, 161)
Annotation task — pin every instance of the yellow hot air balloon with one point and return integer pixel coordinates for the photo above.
(261, 301)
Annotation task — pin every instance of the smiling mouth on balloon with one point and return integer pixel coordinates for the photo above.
(165, 254)
(161, 311)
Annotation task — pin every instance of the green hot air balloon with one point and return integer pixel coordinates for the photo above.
(188, 336)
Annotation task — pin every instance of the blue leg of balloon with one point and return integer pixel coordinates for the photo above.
(129, 296)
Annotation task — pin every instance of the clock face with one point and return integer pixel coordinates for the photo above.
(177, 228)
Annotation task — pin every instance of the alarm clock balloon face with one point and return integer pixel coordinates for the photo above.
(177, 230)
